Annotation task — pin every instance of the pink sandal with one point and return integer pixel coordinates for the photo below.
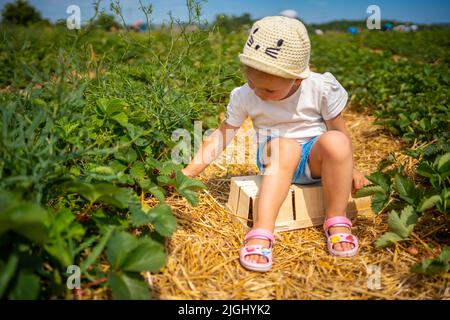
(340, 237)
(257, 249)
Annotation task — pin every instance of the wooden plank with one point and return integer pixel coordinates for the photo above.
(243, 205)
(308, 203)
(286, 212)
(233, 197)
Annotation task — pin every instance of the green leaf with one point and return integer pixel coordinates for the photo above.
(103, 170)
(117, 166)
(108, 231)
(187, 187)
(120, 244)
(102, 192)
(61, 221)
(379, 201)
(429, 202)
(160, 217)
(139, 218)
(425, 170)
(25, 218)
(386, 239)
(149, 186)
(436, 181)
(443, 163)
(381, 179)
(121, 118)
(128, 155)
(404, 224)
(125, 178)
(115, 106)
(406, 189)
(7, 272)
(126, 252)
(101, 219)
(137, 171)
(165, 180)
(169, 167)
(368, 191)
(118, 197)
(26, 288)
(128, 286)
(163, 219)
(153, 163)
(102, 105)
(147, 256)
(184, 182)
(434, 266)
(63, 231)
(386, 162)
(191, 196)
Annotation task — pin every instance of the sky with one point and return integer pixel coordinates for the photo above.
(310, 11)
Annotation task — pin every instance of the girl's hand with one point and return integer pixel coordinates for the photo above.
(359, 181)
(187, 173)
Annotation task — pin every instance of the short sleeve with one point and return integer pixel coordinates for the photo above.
(334, 97)
(236, 113)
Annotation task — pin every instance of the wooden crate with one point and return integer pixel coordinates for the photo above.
(302, 208)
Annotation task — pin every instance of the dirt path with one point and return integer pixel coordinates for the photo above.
(203, 258)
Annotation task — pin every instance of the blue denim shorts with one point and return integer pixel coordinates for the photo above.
(302, 174)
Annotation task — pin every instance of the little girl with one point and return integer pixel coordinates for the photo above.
(308, 140)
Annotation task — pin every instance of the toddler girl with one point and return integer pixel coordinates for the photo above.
(301, 135)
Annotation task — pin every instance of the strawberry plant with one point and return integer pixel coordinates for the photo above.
(85, 134)
(410, 99)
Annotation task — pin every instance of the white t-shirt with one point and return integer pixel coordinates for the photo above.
(300, 116)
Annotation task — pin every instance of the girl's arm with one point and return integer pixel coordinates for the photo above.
(210, 149)
(338, 123)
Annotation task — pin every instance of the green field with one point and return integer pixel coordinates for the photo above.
(86, 120)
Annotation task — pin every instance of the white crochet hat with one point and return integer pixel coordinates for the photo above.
(279, 46)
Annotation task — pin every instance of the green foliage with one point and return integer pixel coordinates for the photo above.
(184, 186)
(410, 99)
(86, 123)
(21, 217)
(233, 23)
(400, 227)
(430, 267)
(85, 132)
(20, 12)
(106, 22)
(425, 45)
(129, 256)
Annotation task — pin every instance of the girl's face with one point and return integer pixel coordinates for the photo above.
(270, 87)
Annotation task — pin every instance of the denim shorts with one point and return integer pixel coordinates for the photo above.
(302, 174)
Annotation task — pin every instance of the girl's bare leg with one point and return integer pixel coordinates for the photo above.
(331, 159)
(284, 156)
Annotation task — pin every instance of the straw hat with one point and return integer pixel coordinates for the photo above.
(279, 46)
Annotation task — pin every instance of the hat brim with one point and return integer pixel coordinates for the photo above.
(272, 69)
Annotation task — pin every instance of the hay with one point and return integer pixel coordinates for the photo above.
(203, 253)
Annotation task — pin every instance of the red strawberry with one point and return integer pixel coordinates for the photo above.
(349, 237)
(250, 249)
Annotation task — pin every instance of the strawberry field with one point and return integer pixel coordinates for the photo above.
(408, 95)
(86, 125)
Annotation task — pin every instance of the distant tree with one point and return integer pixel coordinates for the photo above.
(106, 22)
(228, 23)
(20, 13)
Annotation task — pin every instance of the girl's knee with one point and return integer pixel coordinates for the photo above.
(335, 144)
(285, 152)
(286, 145)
